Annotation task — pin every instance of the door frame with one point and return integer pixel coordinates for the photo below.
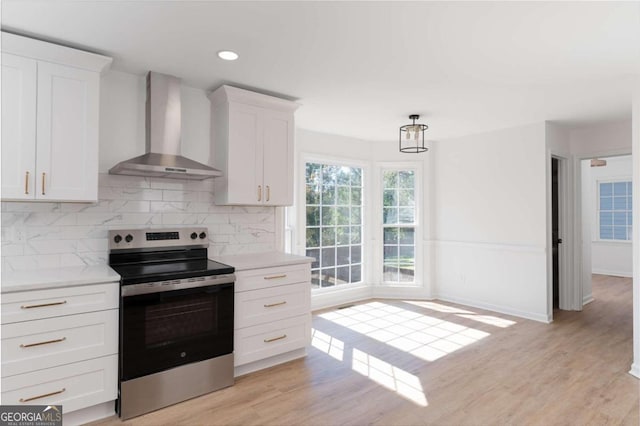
(565, 251)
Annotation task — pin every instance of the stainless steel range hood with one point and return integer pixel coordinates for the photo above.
(163, 127)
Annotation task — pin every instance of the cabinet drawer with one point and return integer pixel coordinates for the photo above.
(35, 345)
(263, 341)
(38, 304)
(270, 304)
(74, 386)
(255, 279)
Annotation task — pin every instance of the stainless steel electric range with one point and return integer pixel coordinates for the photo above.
(176, 318)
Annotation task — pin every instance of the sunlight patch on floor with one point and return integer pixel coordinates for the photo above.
(327, 344)
(426, 337)
(393, 378)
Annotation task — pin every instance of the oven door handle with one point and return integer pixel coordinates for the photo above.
(165, 286)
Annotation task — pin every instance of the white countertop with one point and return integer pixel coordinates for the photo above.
(243, 262)
(40, 279)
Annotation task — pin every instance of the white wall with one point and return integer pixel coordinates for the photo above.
(64, 234)
(491, 220)
(635, 367)
(607, 257)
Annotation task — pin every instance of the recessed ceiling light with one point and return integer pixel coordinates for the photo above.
(228, 55)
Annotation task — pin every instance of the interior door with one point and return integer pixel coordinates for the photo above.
(18, 127)
(555, 231)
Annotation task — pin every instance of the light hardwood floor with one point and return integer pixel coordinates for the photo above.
(387, 362)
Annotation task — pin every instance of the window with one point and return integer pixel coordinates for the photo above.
(334, 224)
(615, 210)
(399, 225)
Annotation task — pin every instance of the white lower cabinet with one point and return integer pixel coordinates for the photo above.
(60, 346)
(272, 316)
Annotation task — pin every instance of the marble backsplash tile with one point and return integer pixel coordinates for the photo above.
(36, 235)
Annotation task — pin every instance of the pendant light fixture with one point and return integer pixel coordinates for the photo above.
(412, 136)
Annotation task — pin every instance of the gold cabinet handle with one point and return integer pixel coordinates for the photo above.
(42, 305)
(275, 277)
(271, 305)
(29, 345)
(43, 182)
(42, 396)
(26, 183)
(268, 192)
(284, 336)
(259, 192)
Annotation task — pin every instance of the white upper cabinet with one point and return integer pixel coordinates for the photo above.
(50, 112)
(252, 143)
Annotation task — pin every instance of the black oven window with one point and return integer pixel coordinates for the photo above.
(181, 319)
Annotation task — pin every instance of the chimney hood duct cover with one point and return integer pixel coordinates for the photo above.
(163, 128)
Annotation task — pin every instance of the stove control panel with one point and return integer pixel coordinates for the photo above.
(152, 238)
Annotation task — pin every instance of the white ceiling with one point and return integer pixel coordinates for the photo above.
(360, 68)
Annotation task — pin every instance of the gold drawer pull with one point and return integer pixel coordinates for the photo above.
(259, 192)
(271, 305)
(42, 396)
(28, 345)
(284, 336)
(26, 183)
(42, 305)
(43, 182)
(275, 277)
(268, 192)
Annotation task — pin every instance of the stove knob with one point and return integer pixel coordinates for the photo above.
(194, 235)
(203, 235)
(128, 238)
(117, 238)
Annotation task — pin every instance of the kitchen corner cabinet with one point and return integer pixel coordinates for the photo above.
(252, 144)
(50, 108)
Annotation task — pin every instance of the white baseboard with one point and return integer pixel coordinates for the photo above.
(400, 292)
(323, 300)
(495, 308)
(587, 299)
(89, 414)
(635, 370)
(624, 274)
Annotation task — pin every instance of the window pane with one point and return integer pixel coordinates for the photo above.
(342, 235)
(315, 253)
(620, 219)
(606, 218)
(620, 232)
(629, 218)
(390, 235)
(328, 215)
(344, 197)
(406, 179)
(328, 256)
(315, 278)
(313, 237)
(406, 274)
(356, 254)
(606, 189)
(313, 216)
(390, 254)
(328, 236)
(390, 179)
(343, 216)
(356, 235)
(313, 173)
(620, 188)
(328, 277)
(390, 215)
(356, 273)
(328, 194)
(406, 198)
(313, 194)
(606, 203)
(619, 203)
(390, 273)
(606, 232)
(342, 275)
(356, 196)
(355, 216)
(342, 256)
(343, 176)
(407, 236)
(390, 198)
(407, 256)
(406, 215)
(329, 174)
(356, 177)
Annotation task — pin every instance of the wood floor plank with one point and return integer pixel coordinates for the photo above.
(393, 362)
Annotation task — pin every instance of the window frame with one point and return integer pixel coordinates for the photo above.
(300, 207)
(599, 210)
(419, 223)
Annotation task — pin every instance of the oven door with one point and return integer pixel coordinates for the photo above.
(165, 325)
